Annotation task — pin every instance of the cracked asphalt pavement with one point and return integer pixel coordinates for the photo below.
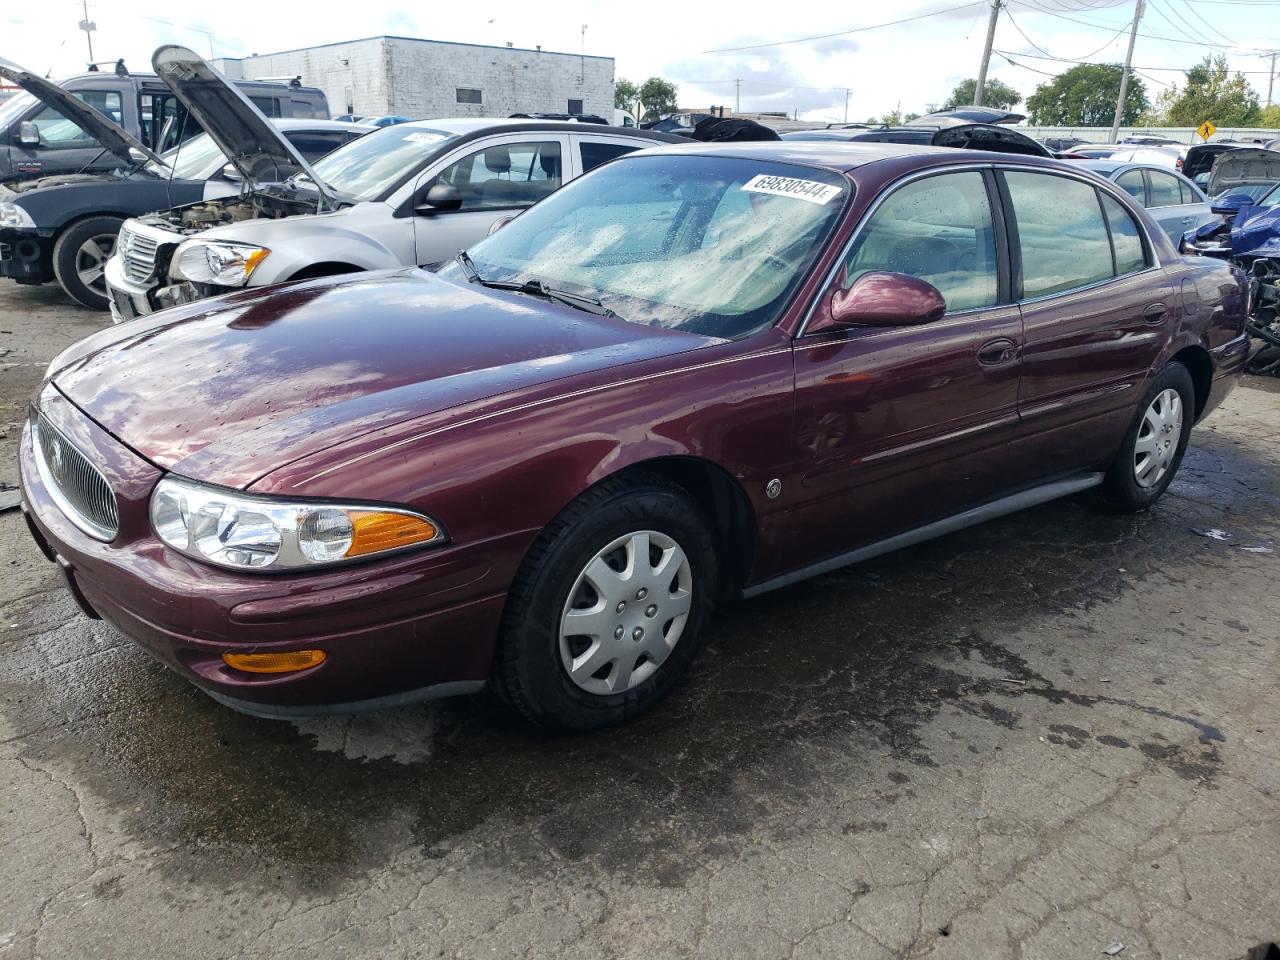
(1043, 737)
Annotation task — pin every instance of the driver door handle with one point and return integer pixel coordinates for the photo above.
(998, 351)
(1154, 313)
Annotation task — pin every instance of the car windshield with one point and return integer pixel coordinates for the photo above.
(189, 160)
(708, 245)
(366, 169)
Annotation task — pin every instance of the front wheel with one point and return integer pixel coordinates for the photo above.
(607, 611)
(80, 257)
(1154, 444)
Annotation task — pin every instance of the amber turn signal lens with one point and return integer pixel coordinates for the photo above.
(287, 661)
(375, 532)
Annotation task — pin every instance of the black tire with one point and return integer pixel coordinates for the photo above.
(529, 673)
(67, 257)
(1121, 489)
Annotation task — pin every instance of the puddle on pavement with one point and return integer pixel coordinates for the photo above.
(798, 693)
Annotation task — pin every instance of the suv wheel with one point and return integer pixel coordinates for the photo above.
(607, 611)
(80, 258)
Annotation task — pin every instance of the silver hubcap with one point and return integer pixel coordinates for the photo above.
(626, 612)
(91, 262)
(1158, 438)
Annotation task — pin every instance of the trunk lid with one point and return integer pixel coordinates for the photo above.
(1242, 166)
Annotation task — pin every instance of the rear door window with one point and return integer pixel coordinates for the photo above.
(1165, 189)
(1126, 238)
(938, 229)
(1063, 239)
(596, 152)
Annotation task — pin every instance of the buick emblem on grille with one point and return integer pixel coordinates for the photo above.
(58, 462)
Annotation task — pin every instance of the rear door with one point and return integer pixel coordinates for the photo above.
(899, 426)
(496, 177)
(1173, 204)
(1094, 305)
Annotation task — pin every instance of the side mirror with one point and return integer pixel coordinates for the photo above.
(440, 198)
(229, 172)
(28, 134)
(882, 299)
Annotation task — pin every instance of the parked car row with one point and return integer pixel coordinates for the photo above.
(697, 371)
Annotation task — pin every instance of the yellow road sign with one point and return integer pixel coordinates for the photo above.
(1206, 130)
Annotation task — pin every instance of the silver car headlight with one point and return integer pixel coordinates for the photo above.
(220, 262)
(244, 531)
(15, 218)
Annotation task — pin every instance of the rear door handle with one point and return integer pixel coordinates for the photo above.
(998, 351)
(1154, 313)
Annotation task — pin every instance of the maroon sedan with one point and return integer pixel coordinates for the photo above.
(696, 372)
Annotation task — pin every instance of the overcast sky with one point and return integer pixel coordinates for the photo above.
(914, 64)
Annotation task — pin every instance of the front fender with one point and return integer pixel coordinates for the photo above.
(292, 251)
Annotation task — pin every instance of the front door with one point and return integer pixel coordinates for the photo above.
(900, 426)
(64, 147)
(498, 179)
(1094, 308)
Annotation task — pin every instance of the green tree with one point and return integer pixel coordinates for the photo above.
(1211, 93)
(625, 95)
(657, 96)
(994, 94)
(1085, 96)
(1270, 117)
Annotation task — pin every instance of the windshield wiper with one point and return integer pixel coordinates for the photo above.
(536, 288)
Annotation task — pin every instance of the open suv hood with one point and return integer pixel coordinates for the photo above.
(250, 141)
(1242, 166)
(110, 134)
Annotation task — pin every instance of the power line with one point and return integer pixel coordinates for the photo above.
(1111, 26)
(1086, 56)
(1196, 13)
(842, 33)
(1153, 69)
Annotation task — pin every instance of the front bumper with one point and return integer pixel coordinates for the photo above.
(409, 627)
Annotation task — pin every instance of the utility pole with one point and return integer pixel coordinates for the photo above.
(737, 96)
(88, 26)
(986, 54)
(847, 91)
(1271, 74)
(1124, 77)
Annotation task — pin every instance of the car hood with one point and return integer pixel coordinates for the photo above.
(248, 139)
(10, 190)
(227, 390)
(107, 132)
(1240, 166)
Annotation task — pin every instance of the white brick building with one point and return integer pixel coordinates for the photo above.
(425, 79)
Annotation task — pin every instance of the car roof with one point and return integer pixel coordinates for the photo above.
(464, 126)
(842, 155)
(299, 123)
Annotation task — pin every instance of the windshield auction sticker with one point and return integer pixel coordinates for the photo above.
(810, 190)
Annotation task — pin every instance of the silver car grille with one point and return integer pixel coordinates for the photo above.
(75, 484)
(138, 252)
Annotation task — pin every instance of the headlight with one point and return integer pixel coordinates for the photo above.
(218, 262)
(14, 217)
(247, 532)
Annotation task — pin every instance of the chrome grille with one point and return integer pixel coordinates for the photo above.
(75, 484)
(138, 251)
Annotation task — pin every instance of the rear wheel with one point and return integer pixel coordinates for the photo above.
(606, 614)
(80, 257)
(1155, 442)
